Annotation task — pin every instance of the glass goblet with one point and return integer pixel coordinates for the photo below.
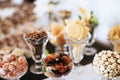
(76, 48)
(59, 42)
(37, 46)
(57, 66)
(89, 50)
(14, 67)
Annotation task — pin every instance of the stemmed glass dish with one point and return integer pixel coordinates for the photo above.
(57, 38)
(13, 67)
(89, 50)
(93, 23)
(57, 65)
(37, 41)
(76, 47)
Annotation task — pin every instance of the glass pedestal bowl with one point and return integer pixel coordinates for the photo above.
(13, 67)
(76, 48)
(89, 50)
(37, 42)
(59, 42)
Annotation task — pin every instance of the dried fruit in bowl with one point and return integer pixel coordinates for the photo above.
(59, 65)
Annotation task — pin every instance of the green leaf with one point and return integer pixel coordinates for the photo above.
(53, 3)
(43, 68)
(80, 17)
(93, 20)
(47, 52)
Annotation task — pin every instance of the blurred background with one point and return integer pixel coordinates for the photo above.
(107, 13)
(19, 16)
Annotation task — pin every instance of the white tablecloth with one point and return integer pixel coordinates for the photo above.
(83, 73)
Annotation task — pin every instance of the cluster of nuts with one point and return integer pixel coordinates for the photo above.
(21, 16)
(64, 14)
(107, 63)
(6, 3)
(12, 66)
(7, 41)
(35, 35)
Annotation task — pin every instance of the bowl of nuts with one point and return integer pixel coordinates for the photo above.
(107, 64)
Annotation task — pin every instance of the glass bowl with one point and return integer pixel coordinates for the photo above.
(13, 67)
(57, 65)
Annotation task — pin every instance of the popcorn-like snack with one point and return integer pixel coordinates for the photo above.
(107, 63)
(13, 66)
(57, 32)
(114, 33)
(60, 64)
(75, 30)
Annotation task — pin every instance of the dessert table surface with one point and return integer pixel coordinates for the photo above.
(86, 72)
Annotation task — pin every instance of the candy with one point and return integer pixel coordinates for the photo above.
(13, 66)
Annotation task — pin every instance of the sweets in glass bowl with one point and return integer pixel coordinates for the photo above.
(37, 41)
(57, 38)
(13, 66)
(57, 64)
(76, 35)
